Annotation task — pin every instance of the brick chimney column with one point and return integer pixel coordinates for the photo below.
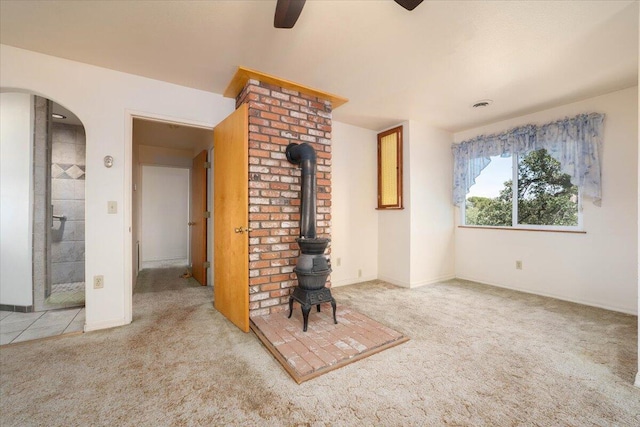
(278, 117)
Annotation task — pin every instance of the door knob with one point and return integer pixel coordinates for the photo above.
(242, 230)
(191, 223)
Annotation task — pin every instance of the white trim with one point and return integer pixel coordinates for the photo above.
(352, 281)
(168, 119)
(129, 115)
(395, 282)
(554, 296)
(515, 169)
(637, 383)
(432, 281)
(577, 228)
(515, 161)
(128, 220)
(105, 324)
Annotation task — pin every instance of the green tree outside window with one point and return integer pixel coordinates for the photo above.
(546, 196)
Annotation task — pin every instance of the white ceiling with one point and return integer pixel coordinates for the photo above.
(430, 64)
(170, 135)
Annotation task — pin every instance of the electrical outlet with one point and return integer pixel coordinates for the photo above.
(518, 265)
(359, 273)
(112, 207)
(98, 282)
(338, 261)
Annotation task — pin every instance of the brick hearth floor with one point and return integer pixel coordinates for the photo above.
(325, 346)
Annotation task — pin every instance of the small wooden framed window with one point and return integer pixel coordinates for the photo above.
(390, 169)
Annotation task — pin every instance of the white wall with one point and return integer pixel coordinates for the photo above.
(354, 240)
(105, 101)
(432, 216)
(597, 268)
(165, 214)
(16, 198)
(394, 225)
(416, 243)
(150, 155)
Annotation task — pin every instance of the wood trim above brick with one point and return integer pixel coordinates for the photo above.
(243, 75)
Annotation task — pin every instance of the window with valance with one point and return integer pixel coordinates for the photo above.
(565, 152)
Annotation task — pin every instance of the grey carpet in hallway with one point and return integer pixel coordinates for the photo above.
(477, 356)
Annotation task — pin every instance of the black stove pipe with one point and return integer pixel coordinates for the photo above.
(305, 156)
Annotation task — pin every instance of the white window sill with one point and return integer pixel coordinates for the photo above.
(544, 230)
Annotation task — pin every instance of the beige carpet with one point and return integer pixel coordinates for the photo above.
(477, 356)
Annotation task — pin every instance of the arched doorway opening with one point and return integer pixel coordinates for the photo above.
(43, 214)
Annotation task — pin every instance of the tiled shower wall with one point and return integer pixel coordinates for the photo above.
(67, 198)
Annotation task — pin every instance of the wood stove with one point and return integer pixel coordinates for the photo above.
(313, 267)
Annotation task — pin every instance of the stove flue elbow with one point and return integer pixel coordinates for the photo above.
(297, 153)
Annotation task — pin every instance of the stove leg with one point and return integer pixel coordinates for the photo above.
(318, 308)
(290, 307)
(306, 308)
(333, 305)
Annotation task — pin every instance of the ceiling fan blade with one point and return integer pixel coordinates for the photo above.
(409, 4)
(287, 13)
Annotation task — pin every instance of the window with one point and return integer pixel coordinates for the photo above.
(489, 200)
(390, 169)
(546, 161)
(545, 197)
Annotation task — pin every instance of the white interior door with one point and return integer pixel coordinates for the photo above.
(165, 216)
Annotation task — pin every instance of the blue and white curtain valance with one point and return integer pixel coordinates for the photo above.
(575, 142)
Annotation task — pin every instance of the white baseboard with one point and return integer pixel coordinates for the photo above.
(551, 295)
(351, 281)
(432, 281)
(419, 283)
(105, 324)
(637, 383)
(395, 282)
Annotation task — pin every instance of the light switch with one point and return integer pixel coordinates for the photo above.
(112, 207)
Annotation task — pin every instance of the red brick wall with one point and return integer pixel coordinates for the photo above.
(277, 117)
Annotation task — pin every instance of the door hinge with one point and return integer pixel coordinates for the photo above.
(206, 214)
(206, 264)
(207, 165)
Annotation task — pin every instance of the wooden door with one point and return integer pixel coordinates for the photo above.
(231, 217)
(198, 223)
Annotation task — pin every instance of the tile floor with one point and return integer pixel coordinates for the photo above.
(17, 327)
(66, 294)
